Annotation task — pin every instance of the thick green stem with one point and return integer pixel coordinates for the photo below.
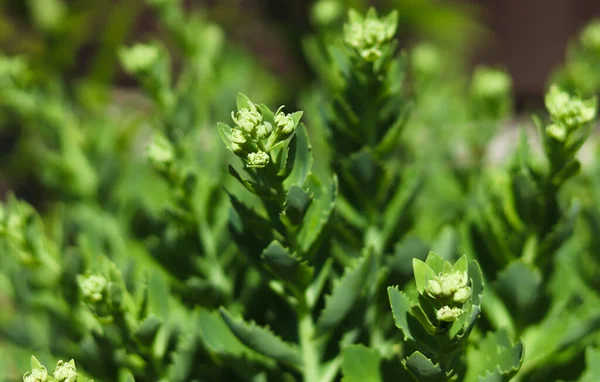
(310, 355)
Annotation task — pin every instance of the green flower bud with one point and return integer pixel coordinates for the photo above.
(490, 83)
(93, 287)
(353, 35)
(433, 288)
(264, 130)
(373, 32)
(462, 295)
(448, 314)
(65, 371)
(247, 119)
(567, 110)
(160, 152)
(558, 132)
(140, 58)
(452, 282)
(37, 374)
(590, 37)
(258, 159)
(238, 137)
(285, 123)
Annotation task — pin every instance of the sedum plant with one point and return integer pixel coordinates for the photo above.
(206, 235)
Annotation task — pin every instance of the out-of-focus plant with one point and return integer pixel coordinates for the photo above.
(201, 237)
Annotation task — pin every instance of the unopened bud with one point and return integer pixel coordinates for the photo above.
(258, 159)
(65, 371)
(462, 295)
(448, 314)
(285, 123)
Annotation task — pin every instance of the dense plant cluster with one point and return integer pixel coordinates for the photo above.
(212, 234)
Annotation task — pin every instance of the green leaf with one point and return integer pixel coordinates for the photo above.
(560, 233)
(290, 269)
(422, 369)
(400, 310)
(216, 337)
(243, 102)
(147, 329)
(592, 370)
(437, 263)
(345, 292)
(250, 185)
(225, 134)
(296, 204)
(397, 208)
(520, 286)
(319, 214)
(158, 295)
(303, 158)
(495, 358)
(423, 273)
(360, 364)
(262, 340)
(476, 282)
(461, 264)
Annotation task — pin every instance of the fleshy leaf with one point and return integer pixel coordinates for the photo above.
(262, 340)
(286, 266)
(345, 293)
(217, 337)
(422, 369)
(296, 204)
(400, 309)
(592, 370)
(423, 273)
(496, 358)
(360, 364)
(243, 102)
(147, 330)
(318, 215)
(303, 158)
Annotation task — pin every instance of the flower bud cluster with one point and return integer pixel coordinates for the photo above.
(253, 136)
(568, 112)
(451, 290)
(99, 294)
(64, 372)
(367, 36)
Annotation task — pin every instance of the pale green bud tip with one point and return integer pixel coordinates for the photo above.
(557, 132)
(451, 282)
(448, 314)
(264, 130)
(140, 57)
(462, 295)
(238, 137)
(433, 288)
(258, 159)
(568, 110)
(367, 36)
(39, 374)
(65, 371)
(285, 123)
(490, 83)
(160, 151)
(93, 287)
(590, 37)
(247, 119)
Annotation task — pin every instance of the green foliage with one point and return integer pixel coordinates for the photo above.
(201, 234)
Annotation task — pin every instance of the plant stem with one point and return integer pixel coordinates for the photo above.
(310, 356)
